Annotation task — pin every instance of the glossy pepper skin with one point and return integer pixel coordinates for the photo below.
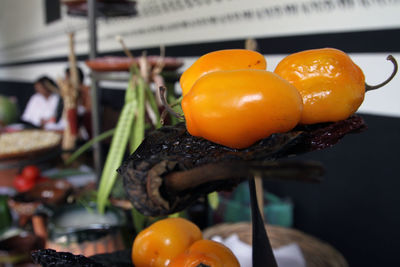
(236, 108)
(162, 241)
(229, 59)
(206, 252)
(331, 84)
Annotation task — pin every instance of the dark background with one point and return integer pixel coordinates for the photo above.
(355, 208)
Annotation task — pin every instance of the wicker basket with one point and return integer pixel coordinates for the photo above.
(316, 252)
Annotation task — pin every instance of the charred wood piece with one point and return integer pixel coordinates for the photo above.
(172, 168)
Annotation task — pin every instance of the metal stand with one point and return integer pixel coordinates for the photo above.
(262, 250)
(97, 153)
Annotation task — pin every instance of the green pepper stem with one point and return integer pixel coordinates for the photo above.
(164, 101)
(373, 87)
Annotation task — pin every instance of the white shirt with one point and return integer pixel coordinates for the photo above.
(40, 108)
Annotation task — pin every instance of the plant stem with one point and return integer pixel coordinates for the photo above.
(139, 123)
(88, 144)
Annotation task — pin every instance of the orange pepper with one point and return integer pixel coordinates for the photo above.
(236, 108)
(331, 84)
(208, 253)
(229, 59)
(162, 241)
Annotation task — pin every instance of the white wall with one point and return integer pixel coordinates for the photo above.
(25, 36)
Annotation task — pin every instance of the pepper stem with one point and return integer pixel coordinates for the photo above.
(373, 87)
(164, 101)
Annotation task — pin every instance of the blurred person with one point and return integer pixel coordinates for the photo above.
(44, 107)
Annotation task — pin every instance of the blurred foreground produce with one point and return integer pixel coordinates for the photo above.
(206, 253)
(162, 241)
(29, 177)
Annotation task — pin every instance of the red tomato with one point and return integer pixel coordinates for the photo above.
(31, 172)
(22, 184)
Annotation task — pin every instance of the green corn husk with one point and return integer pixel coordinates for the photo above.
(118, 146)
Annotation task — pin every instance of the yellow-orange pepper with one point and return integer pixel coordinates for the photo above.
(208, 253)
(229, 59)
(162, 241)
(331, 84)
(236, 108)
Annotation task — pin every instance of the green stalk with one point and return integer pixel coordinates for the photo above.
(175, 105)
(137, 136)
(139, 220)
(152, 100)
(89, 144)
(177, 101)
(130, 93)
(118, 146)
(137, 133)
(115, 154)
